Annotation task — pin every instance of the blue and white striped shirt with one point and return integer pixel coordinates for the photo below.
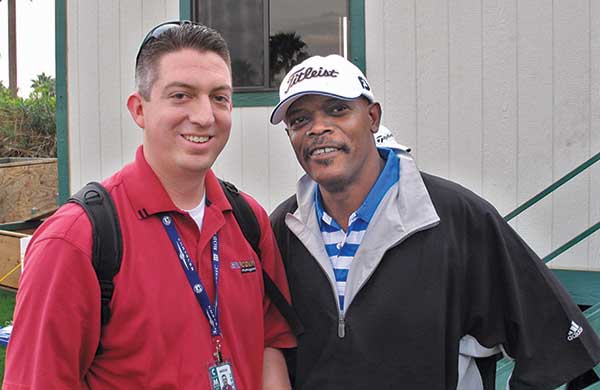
(342, 246)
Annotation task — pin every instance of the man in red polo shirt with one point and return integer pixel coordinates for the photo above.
(184, 310)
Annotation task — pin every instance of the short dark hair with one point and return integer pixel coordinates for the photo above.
(183, 35)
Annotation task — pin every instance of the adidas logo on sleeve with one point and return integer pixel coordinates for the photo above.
(574, 331)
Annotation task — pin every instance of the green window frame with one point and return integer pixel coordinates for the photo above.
(357, 53)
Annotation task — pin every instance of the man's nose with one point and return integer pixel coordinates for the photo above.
(321, 124)
(202, 112)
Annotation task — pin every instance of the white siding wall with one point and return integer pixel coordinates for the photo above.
(501, 96)
(103, 38)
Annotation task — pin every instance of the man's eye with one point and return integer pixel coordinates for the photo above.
(297, 122)
(179, 96)
(221, 98)
(338, 108)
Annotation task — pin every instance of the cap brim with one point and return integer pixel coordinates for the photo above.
(280, 109)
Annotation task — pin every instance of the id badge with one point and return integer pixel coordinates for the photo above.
(221, 376)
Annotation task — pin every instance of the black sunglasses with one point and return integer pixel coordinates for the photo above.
(157, 31)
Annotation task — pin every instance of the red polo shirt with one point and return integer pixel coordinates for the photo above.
(157, 338)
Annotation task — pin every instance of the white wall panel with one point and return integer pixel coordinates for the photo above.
(132, 32)
(103, 39)
(571, 125)
(375, 48)
(400, 109)
(465, 94)
(522, 79)
(74, 136)
(229, 164)
(499, 103)
(88, 121)
(594, 254)
(109, 82)
(502, 96)
(284, 168)
(255, 148)
(534, 116)
(432, 85)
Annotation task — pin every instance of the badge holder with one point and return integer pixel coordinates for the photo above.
(220, 374)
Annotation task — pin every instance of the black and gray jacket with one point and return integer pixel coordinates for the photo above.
(440, 284)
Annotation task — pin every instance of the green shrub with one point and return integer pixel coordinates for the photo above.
(28, 125)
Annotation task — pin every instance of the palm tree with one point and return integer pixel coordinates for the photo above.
(286, 49)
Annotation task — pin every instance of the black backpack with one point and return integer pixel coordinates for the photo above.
(108, 246)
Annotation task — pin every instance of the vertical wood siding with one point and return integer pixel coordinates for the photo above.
(502, 96)
(103, 38)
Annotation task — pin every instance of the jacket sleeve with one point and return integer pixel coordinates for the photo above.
(56, 325)
(515, 301)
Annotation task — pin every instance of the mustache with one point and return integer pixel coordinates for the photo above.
(321, 143)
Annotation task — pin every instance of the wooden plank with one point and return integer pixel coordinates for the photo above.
(375, 50)
(229, 163)
(534, 157)
(73, 99)
(255, 159)
(282, 167)
(499, 103)
(111, 153)
(571, 127)
(12, 246)
(400, 114)
(27, 189)
(131, 35)
(88, 123)
(465, 107)
(432, 86)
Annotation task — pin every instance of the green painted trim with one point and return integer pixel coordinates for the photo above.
(572, 242)
(583, 286)
(553, 187)
(185, 9)
(62, 117)
(255, 99)
(357, 34)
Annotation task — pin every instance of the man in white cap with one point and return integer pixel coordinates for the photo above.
(404, 280)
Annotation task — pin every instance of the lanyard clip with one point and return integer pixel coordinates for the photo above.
(217, 354)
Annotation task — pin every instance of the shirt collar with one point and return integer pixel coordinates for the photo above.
(148, 196)
(390, 174)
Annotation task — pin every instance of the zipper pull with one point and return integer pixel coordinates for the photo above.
(341, 327)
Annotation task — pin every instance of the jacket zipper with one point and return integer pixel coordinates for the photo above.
(341, 318)
(341, 326)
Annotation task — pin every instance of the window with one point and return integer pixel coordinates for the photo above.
(267, 38)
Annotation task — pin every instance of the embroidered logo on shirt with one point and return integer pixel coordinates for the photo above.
(574, 332)
(245, 266)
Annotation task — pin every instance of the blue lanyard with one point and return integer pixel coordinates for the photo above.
(211, 311)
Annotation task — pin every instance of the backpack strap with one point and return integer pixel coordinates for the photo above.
(107, 246)
(246, 219)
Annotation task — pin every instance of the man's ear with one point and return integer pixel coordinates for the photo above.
(136, 108)
(375, 116)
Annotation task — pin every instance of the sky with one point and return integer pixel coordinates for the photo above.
(35, 41)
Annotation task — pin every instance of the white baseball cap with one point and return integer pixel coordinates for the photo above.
(330, 76)
(385, 139)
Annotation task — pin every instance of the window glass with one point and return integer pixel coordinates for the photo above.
(267, 38)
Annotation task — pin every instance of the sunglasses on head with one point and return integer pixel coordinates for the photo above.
(157, 31)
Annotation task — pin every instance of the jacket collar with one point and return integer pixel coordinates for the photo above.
(406, 206)
(405, 209)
